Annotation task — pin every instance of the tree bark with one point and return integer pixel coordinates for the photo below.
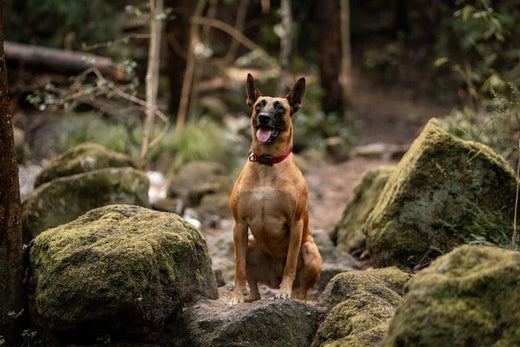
(285, 45)
(346, 56)
(11, 244)
(152, 76)
(60, 61)
(329, 56)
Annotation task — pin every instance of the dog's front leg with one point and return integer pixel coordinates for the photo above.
(289, 272)
(240, 243)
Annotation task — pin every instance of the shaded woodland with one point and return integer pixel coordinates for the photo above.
(163, 82)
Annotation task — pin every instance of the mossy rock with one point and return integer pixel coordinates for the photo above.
(119, 271)
(82, 158)
(197, 179)
(361, 320)
(64, 199)
(348, 232)
(344, 285)
(360, 305)
(468, 297)
(444, 192)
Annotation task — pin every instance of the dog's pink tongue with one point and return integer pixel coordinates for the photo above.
(263, 135)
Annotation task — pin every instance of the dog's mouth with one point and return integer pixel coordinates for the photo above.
(266, 134)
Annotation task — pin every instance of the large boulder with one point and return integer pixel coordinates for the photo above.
(82, 158)
(265, 322)
(444, 192)
(119, 271)
(360, 305)
(468, 297)
(64, 199)
(348, 232)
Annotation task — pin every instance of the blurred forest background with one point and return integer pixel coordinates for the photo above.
(376, 71)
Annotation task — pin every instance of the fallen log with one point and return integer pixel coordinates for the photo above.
(61, 61)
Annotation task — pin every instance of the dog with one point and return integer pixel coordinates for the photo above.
(269, 198)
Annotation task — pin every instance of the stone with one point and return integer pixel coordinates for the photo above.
(468, 297)
(82, 158)
(359, 307)
(197, 179)
(443, 193)
(119, 271)
(348, 232)
(265, 322)
(64, 199)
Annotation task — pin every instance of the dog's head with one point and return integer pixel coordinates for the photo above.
(271, 116)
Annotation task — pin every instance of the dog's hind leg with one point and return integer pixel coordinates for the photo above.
(309, 271)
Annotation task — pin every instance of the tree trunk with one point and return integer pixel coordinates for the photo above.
(346, 56)
(152, 76)
(60, 61)
(285, 45)
(11, 244)
(329, 56)
(178, 39)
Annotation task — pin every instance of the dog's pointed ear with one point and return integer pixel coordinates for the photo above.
(252, 91)
(295, 96)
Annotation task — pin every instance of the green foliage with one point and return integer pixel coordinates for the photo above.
(201, 140)
(479, 43)
(91, 127)
(498, 126)
(59, 23)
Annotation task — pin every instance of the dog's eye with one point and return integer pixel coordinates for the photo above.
(279, 107)
(260, 105)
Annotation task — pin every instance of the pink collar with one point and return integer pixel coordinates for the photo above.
(267, 159)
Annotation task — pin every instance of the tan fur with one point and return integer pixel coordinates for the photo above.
(271, 202)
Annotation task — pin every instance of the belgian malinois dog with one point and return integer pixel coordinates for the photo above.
(269, 198)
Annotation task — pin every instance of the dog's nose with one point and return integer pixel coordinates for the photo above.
(264, 118)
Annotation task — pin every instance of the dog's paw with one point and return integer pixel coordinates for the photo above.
(281, 295)
(236, 300)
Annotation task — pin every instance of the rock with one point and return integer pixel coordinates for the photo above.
(361, 320)
(468, 297)
(196, 179)
(348, 232)
(360, 305)
(337, 149)
(83, 158)
(120, 271)
(345, 285)
(21, 148)
(214, 207)
(380, 150)
(265, 322)
(64, 199)
(443, 193)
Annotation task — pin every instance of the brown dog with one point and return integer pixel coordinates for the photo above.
(270, 199)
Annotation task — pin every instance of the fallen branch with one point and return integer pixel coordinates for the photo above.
(61, 61)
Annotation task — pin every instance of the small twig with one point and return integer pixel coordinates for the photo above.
(106, 44)
(513, 238)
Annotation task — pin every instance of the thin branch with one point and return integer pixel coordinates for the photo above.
(106, 44)
(237, 35)
(514, 237)
(152, 76)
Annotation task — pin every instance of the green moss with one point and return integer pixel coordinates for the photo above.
(82, 158)
(119, 269)
(63, 199)
(348, 232)
(428, 207)
(360, 305)
(467, 297)
(361, 320)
